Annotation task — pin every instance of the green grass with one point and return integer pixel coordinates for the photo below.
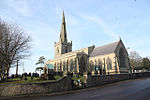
(35, 79)
(57, 77)
(14, 79)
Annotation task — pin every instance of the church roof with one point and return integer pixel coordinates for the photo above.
(105, 49)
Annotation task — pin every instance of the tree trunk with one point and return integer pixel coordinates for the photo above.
(2, 70)
(7, 73)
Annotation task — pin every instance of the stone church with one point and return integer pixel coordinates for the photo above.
(103, 60)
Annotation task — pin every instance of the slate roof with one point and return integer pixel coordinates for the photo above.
(105, 49)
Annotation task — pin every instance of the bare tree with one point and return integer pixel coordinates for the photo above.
(135, 60)
(14, 45)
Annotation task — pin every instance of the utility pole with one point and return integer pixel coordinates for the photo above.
(23, 67)
(17, 68)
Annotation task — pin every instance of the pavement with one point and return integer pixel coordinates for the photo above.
(137, 89)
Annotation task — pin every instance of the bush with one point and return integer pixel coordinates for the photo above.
(75, 78)
(81, 78)
(56, 77)
(42, 77)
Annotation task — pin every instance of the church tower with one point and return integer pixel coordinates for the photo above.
(62, 46)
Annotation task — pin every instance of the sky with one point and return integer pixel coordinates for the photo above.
(89, 22)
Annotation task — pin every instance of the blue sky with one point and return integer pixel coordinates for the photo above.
(89, 22)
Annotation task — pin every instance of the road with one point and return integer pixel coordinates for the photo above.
(137, 89)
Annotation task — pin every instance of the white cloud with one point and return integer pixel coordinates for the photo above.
(21, 6)
(59, 9)
(102, 24)
(71, 20)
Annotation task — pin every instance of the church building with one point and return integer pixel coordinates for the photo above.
(103, 60)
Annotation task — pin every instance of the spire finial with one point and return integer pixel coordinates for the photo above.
(119, 38)
(63, 33)
(63, 12)
(63, 17)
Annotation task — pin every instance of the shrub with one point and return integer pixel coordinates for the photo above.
(75, 78)
(56, 77)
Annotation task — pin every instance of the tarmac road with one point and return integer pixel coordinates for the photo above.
(137, 89)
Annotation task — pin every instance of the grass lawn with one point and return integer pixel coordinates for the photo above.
(35, 79)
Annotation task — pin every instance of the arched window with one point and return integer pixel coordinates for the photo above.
(67, 63)
(122, 58)
(82, 64)
(74, 67)
(109, 63)
(95, 62)
(96, 66)
(71, 65)
(100, 63)
(66, 50)
(91, 66)
(57, 49)
(55, 67)
(64, 66)
(61, 66)
(58, 67)
(100, 66)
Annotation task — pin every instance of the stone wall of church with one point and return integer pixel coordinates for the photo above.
(62, 48)
(36, 88)
(108, 64)
(122, 58)
(66, 63)
(113, 63)
(71, 62)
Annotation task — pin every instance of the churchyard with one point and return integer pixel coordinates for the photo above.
(28, 78)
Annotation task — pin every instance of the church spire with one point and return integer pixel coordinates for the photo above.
(63, 33)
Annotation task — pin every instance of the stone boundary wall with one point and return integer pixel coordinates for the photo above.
(100, 80)
(62, 84)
